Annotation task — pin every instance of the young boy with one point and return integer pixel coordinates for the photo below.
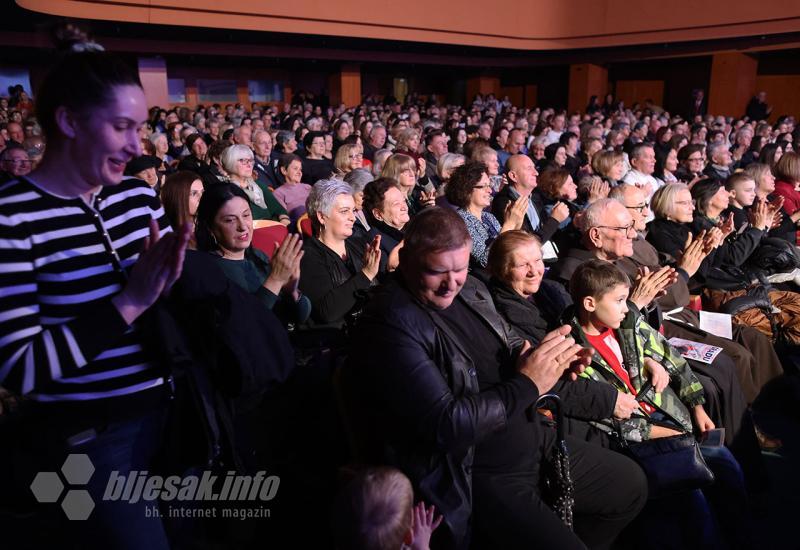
(628, 351)
(742, 189)
(375, 511)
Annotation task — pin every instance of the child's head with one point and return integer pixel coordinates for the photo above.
(373, 511)
(600, 292)
(742, 188)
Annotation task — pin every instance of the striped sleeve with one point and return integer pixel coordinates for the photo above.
(33, 355)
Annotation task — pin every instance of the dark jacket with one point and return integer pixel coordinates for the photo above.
(390, 238)
(420, 388)
(316, 169)
(332, 284)
(547, 225)
(581, 399)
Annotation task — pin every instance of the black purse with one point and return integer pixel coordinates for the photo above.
(559, 482)
(672, 464)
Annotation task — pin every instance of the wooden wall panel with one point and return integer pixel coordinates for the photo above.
(637, 91)
(482, 85)
(516, 94)
(733, 83)
(586, 80)
(783, 93)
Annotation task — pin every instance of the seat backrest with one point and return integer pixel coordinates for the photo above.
(304, 226)
(264, 238)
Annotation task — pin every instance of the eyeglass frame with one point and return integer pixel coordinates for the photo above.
(631, 227)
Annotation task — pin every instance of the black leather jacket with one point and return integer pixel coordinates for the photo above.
(419, 389)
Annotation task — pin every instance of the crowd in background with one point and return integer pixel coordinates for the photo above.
(430, 270)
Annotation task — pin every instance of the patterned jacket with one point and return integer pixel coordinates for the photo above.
(638, 340)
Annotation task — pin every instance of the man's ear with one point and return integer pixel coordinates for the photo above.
(589, 303)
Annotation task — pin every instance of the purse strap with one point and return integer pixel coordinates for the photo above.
(565, 490)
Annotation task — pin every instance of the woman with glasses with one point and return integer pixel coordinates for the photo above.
(237, 160)
(349, 157)
(692, 160)
(470, 192)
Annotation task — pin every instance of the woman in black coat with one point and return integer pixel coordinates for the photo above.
(515, 262)
(333, 269)
(387, 212)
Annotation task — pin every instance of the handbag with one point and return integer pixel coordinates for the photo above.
(559, 483)
(672, 464)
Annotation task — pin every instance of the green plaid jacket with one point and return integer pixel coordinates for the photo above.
(638, 340)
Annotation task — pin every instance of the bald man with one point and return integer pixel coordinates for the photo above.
(522, 180)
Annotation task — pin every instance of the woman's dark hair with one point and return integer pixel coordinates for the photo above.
(767, 155)
(551, 150)
(175, 197)
(81, 81)
(661, 161)
(687, 150)
(287, 159)
(216, 148)
(462, 181)
(374, 193)
(551, 180)
(213, 199)
(703, 191)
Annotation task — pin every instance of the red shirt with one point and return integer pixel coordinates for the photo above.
(607, 346)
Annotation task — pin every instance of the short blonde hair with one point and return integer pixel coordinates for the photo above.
(397, 164)
(374, 510)
(342, 161)
(604, 161)
(788, 168)
(663, 202)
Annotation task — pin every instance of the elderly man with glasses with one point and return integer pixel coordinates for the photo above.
(14, 162)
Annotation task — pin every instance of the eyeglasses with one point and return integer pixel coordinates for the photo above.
(641, 208)
(625, 230)
(356, 156)
(19, 162)
(245, 161)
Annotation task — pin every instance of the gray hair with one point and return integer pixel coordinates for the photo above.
(230, 156)
(322, 198)
(712, 148)
(447, 163)
(379, 159)
(283, 136)
(593, 216)
(358, 179)
(156, 135)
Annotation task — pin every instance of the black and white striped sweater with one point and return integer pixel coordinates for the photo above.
(61, 262)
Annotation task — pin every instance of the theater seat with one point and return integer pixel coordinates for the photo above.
(266, 233)
(304, 226)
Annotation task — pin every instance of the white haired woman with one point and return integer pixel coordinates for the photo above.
(237, 160)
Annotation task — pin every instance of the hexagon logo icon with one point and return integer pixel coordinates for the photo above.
(78, 504)
(47, 487)
(77, 469)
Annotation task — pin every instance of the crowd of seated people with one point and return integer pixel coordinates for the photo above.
(429, 272)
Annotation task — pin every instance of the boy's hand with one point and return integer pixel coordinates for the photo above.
(658, 374)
